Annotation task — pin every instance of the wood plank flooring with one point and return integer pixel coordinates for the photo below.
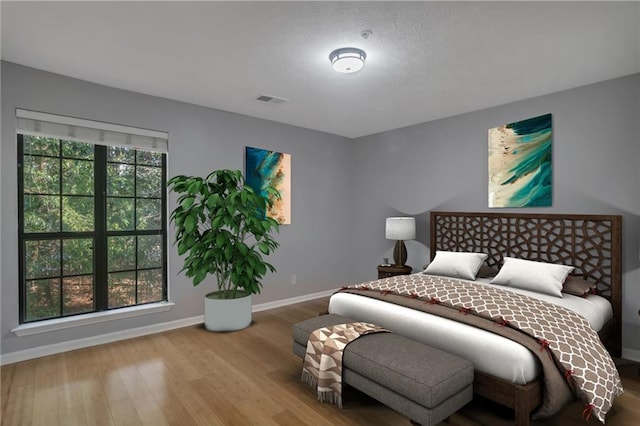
(193, 377)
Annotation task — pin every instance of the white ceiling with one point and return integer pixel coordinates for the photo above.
(426, 60)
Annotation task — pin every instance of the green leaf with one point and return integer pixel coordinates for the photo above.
(199, 277)
(188, 202)
(264, 248)
(182, 249)
(215, 223)
(195, 186)
(242, 248)
(213, 200)
(189, 223)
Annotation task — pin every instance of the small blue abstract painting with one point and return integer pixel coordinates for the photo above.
(520, 169)
(270, 169)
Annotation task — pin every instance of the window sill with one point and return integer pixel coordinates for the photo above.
(93, 318)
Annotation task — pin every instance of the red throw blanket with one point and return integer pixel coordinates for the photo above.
(322, 366)
(570, 351)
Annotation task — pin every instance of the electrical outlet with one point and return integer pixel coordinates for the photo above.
(293, 280)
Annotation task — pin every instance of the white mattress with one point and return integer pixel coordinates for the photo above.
(489, 353)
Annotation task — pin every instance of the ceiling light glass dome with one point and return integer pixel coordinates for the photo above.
(348, 60)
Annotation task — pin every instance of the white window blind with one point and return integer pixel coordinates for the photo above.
(76, 129)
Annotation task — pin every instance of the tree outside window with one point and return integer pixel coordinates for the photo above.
(92, 227)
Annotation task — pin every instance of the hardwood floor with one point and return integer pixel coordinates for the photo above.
(193, 377)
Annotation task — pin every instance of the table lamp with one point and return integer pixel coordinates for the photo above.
(400, 229)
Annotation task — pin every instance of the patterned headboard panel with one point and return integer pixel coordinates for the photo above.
(590, 243)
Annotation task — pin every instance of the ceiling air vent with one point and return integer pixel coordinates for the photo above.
(271, 99)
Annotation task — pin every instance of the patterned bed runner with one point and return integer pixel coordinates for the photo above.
(570, 351)
(322, 367)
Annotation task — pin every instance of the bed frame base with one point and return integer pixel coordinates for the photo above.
(523, 399)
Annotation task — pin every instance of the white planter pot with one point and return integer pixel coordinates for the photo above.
(226, 314)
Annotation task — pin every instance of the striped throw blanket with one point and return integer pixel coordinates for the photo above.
(322, 367)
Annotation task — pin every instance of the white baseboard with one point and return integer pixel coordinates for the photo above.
(631, 354)
(291, 301)
(71, 345)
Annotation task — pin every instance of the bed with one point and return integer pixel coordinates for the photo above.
(590, 243)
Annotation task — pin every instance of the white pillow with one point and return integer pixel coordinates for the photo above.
(456, 264)
(540, 277)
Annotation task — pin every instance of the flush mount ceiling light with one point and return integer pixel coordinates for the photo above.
(348, 60)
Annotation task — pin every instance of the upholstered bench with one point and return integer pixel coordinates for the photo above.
(425, 384)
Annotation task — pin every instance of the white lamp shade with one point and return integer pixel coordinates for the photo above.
(400, 228)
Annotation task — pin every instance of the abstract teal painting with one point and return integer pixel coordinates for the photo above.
(520, 169)
(264, 169)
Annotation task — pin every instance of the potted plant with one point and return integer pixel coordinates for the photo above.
(222, 228)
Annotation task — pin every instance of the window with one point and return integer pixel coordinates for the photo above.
(92, 226)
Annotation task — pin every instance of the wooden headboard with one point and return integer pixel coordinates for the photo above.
(590, 243)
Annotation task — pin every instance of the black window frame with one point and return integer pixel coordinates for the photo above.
(100, 235)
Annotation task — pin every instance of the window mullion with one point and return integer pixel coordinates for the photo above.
(135, 222)
(165, 287)
(21, 261)
(60, 229)
(101, 286)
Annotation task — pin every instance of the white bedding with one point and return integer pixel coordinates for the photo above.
(489, 353)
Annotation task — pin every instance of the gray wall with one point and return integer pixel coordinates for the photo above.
(343, 190)
(442, 165)
(201, 139)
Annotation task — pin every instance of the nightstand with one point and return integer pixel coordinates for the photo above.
(392, 270)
